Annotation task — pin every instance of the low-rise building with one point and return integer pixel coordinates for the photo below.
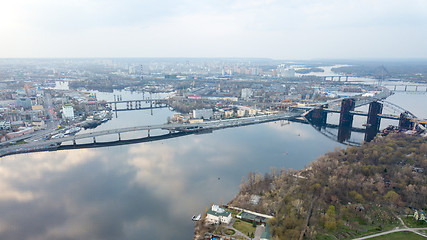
(20, 132)
(241, 113)
(228, 114)
(203, 113)
(217, 215)
(266, 234)
(24, 103)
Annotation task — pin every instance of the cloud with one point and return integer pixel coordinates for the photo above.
(276, 29)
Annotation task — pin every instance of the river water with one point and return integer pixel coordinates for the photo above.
(148, 190)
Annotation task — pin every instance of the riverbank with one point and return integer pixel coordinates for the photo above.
(344, 194)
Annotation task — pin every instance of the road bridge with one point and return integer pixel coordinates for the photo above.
(337, 77)
(53, 144)
(407, 88)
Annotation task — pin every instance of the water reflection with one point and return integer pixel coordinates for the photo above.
(146, 190)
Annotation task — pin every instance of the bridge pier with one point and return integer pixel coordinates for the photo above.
(405, 122)
(120, 138)
(94, 140)
(115, 108)
(74, 142)
(373, 122)
(346, 119)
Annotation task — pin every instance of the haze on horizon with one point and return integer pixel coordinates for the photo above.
(287, 29)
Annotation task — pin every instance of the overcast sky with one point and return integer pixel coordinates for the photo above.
(280, 29)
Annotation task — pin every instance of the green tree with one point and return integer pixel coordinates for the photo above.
(331, 222)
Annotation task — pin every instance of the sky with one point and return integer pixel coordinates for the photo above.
(278, 29)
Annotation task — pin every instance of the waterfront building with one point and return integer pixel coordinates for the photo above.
(217, 215)
(203, 113)
(241, 112)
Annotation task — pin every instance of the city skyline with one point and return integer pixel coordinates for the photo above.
(242, 29)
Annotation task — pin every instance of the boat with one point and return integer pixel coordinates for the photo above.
(196, 218)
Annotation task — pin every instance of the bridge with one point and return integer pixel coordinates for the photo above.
(318, 116)
(53, 144)
(412, 88)
(315, 114)
(337, 77)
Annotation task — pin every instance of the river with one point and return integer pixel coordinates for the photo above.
(148, 190)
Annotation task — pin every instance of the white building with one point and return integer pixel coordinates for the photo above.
(67, 112)
(216, 215)
(203, 113)
(247, 93)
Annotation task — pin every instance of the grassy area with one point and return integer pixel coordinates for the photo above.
(20, 142)
(399, 235)
(244, 227)
(229, 232)
(410, 222)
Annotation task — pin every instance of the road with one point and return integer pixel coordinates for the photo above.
(414, 230)
(398, 229)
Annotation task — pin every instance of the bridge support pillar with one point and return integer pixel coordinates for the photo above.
(373, 122)
(346, 119)
(94, 140)
(405, 121)
(74, 142)
(120, 138)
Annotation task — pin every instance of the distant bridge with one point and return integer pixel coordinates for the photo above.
(410, 88)
(336, 77)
